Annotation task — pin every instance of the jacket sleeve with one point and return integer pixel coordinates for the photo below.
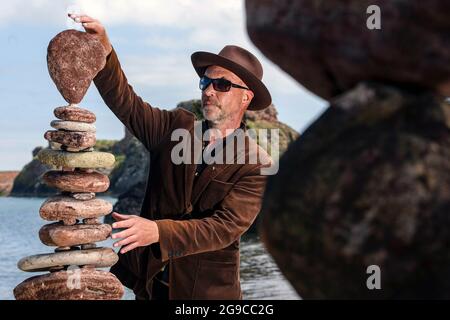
(236, 213)
(148, 124)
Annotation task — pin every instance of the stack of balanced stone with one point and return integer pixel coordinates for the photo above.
(75, 211)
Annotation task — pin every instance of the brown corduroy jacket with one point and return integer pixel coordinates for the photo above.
(200, 224)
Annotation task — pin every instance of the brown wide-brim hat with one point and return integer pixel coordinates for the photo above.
(242, 63)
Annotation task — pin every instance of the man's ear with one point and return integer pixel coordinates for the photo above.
(248, 96)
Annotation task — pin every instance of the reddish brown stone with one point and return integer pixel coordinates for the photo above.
(69, 221)
(91, 221)
(71, 139)
(368, 183)
(327, 47)
(73, 113)
(56, 234)
(76, 181)
(74, 58)
(62, 207)
(64, 285)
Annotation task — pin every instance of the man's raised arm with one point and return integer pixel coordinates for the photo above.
(146, 123)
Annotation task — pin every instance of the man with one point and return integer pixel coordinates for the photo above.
(185, 243)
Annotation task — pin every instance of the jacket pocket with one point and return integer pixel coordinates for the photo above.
(214, 193)
(217, 280)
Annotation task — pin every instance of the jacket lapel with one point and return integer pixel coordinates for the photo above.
(213, 170)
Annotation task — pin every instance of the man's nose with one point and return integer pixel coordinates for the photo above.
(209, 91)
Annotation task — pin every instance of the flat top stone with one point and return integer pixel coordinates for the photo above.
(74, 113)
(100, 258)
(92, 159)
(74, 58)
(73, 126)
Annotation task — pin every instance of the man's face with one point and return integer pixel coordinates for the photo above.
(219, 107)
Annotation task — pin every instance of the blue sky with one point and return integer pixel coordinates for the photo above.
(154, 41)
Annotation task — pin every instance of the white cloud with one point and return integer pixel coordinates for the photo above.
(173, 13)
(158, 70)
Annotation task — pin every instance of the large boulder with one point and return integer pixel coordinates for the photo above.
(327, 47)
(367, 184)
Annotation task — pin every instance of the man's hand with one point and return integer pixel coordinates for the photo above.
(94, 27)
(139, 232)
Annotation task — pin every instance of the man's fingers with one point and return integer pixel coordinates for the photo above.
(129, 247)
(123, 224)
(82, 18)
(123, 234)
(125, 241)
(92, 27)
(120, 217)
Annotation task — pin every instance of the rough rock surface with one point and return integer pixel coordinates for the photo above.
(93, 159)
(93, 285)
(71, 139)
(74, 58)
(77, 181)
(99, 258)
(327, 47)
(133, 169)
(367, 184)
(57, 234)
(65, 207)
(268, 114)
(129, 202)
(74, 113)
(29, 182)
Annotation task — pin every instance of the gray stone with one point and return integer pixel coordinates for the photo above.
(101, 258)
(73, 126)
(83, 195)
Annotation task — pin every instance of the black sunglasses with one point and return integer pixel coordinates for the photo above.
(222, 85)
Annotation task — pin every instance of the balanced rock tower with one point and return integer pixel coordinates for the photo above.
(74, 58)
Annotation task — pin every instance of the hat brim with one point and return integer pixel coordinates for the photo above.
(202, 60)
